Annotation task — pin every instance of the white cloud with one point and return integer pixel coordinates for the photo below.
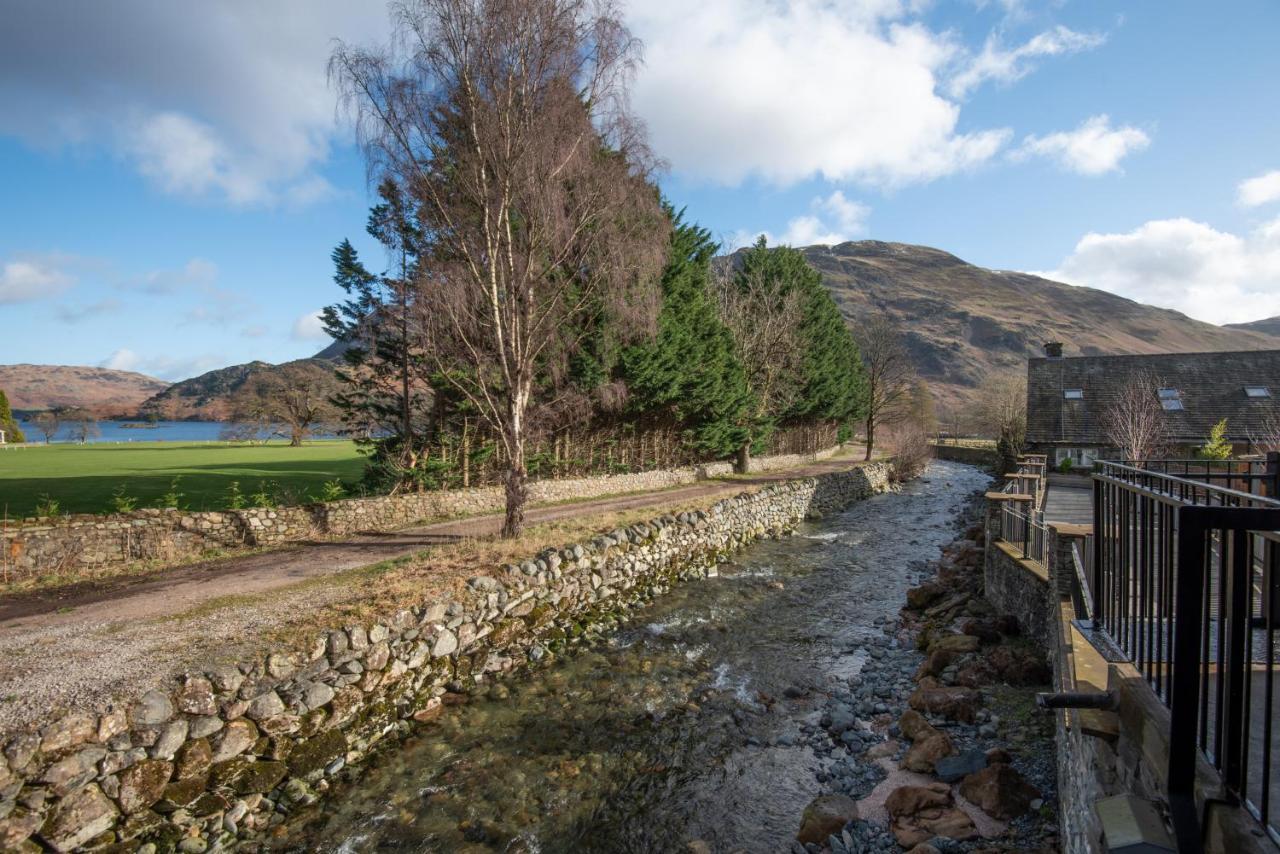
(834, 219)
(1185, 265)
(164, 367)
(196, 273)
(1006, 65)
(227, 101)
(846, 90)
(309, 327)
(1093, 148)
(1260, 190)
(32, 277)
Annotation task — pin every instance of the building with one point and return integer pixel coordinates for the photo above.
(1068, 398)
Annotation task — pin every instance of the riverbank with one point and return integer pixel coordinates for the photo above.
(357, 685)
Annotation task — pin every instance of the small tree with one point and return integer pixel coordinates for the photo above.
(47, 423)
(81, 424)
(1135, 422)
(890, 374)
(8, 423)
(1003, 414)
(1218, 446)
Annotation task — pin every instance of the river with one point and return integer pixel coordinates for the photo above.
(117, 432)
(697, 722)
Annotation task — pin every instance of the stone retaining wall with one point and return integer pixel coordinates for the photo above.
(70, 544)
(1016, 586)
(219, 755)
(963, 454)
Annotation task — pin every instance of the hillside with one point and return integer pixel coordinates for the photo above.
(1269, 326)
(963, 322)
(104, 391)
(211, 396)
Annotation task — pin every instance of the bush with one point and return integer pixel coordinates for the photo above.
(235, 498)
(911, 452)
(48, 507)
(1066, 465)
(122, 503)
(332, 490)
(172, 499)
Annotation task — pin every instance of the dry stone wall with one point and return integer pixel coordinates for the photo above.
(71, 544)
(217, 757)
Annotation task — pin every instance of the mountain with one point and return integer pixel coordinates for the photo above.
(962, 322)
(1270, 326)
(103, 390)
(211, 396)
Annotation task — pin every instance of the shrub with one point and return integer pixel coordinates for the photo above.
(332, 490)
(235, 498)
(122, 503)
(48, 506)
(1066, 465)
(911, 452)
(264, 497)
(1218, 446)
(173, 498)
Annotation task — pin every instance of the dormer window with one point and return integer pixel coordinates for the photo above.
(1073, 393)
(1257, 391)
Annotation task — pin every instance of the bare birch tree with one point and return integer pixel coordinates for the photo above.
(891, 376)
(1135, 421)
(1002, 401)
(507, 122)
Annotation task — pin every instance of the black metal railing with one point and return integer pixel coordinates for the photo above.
(1022, 526)
(1184, 581)
(1258, 475)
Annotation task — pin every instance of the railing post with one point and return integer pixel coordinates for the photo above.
(1098, 543)
(1184, 692)
(1236, 661)
(1271, 479)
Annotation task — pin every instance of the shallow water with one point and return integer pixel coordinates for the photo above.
(683, 725)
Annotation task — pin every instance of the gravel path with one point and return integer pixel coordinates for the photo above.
(81, 646)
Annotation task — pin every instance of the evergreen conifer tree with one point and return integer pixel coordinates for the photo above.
(689, 369)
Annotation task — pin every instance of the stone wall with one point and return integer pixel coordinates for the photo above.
(1016, 586)
(217, 756)
(70, 544)
(985, 457)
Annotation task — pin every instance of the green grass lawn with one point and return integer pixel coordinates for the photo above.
(83, 478)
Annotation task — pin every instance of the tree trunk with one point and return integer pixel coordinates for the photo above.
(871, 435)
(743, 464)
(517, 496)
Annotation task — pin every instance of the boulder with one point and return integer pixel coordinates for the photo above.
(927, 752)
(999, 791)
(919, 813)
(141, 785)
(237, 737)
(957, 704)
(196, 697)
(193, 759)
(151, 710)
(956, 644)
(826, 815)
(984, 630)
(68, 731)
(952, 769)
(919, 598)
(79, 817)
(913, 724)
(73, 771)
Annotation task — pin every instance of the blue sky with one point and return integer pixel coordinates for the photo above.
(173, 180)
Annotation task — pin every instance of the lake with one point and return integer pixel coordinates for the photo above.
(159, 431)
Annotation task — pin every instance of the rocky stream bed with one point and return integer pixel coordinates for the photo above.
(787, 703)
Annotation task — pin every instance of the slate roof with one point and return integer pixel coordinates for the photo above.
(1211, 386)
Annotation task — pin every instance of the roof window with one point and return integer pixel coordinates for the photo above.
(1073, 393)
(1257, 391)
(1172, 404)
(1169, 394)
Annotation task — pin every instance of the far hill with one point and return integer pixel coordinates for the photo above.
(211, 396)
(1270, 326)
(105, 391)
(963, 322)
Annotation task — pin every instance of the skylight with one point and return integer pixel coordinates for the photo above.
(1257, 391)
(1169, 394)
(1073, 393)
(1172, 404)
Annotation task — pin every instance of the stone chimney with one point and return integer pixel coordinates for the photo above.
(1053, 350)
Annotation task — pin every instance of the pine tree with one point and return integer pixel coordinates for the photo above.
(9, 424)
(689, 371)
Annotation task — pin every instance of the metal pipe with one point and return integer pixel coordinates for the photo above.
(1106, 700)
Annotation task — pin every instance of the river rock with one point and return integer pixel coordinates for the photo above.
(79, 817)
(957, 644)
(912, 724)
(825, 815)
(927, 752)
(958, 704)
(919, 813)
(952, 769)
(999, 791)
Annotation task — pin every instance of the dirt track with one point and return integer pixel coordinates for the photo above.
(81, 643)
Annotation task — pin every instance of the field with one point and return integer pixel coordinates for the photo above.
(84, 478)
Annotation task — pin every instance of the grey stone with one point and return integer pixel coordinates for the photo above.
(171, 738)
(152, 709)
(79, 817)
(200, 727)
(445, 644)
(317, 694)
(952, 769)
(265, 706)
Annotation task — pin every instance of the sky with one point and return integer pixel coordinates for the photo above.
(173, 177)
